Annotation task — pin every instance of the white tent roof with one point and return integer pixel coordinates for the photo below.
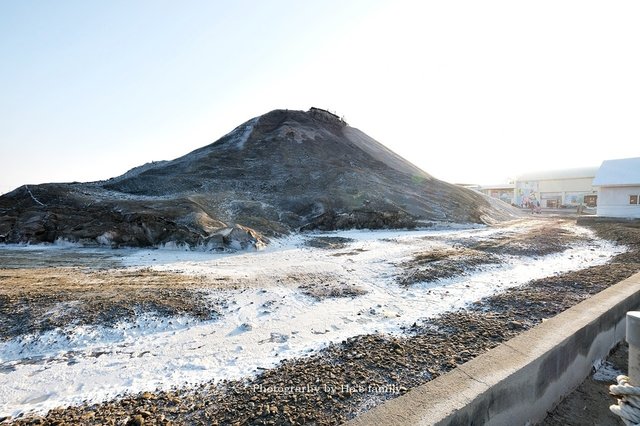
(498, 186)
(583, 172)
(625, 171)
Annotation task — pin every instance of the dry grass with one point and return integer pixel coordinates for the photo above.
(33, 300)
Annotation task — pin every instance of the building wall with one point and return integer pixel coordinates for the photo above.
(524, 190)
(614, 201)
(505, 195)
(569, 192)
(566, 185)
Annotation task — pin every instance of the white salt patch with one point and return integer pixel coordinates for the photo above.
(606, 372)
(242, 133)
(259, 326)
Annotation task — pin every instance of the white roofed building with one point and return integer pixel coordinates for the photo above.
(557, 188)
(504, 191)
(618, 184)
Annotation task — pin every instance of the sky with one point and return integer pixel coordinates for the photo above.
(471, 92)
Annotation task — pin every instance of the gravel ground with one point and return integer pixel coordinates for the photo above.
(540, 237)
(349, 378)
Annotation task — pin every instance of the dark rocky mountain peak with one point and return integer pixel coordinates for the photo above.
(280, 172)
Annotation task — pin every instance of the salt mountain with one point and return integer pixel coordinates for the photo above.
(283, 171)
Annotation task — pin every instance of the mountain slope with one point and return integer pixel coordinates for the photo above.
(280, 172)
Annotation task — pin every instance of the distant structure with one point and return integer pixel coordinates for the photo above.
(504, 192)
(327, 116)
(557, 188)
(618, 184)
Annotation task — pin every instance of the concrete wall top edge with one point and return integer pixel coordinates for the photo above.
(437, 400)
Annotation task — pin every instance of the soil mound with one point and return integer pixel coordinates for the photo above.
(281, 172)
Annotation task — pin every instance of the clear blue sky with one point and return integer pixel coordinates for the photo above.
(469, 91)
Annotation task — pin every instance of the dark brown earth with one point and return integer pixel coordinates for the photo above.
(348, 378)
(81, 297)
(331, 289)
(35, 300)
(545, 238)
(589, 404)
(445, 263)
(40, 298)
(329, 242)
(283, 171)
(539, 238)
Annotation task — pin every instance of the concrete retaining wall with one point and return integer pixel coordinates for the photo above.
(518, 382)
